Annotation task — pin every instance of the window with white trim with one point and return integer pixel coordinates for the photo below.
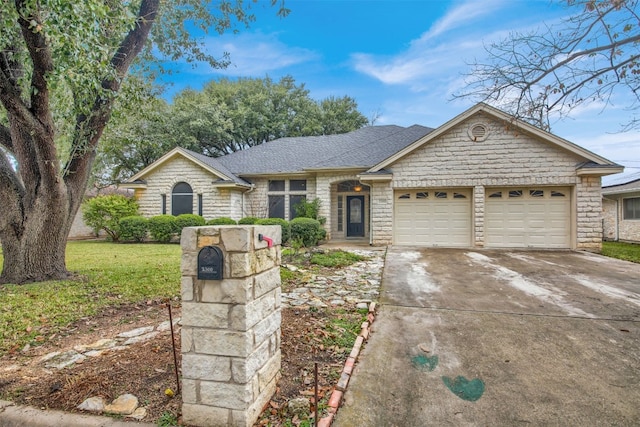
(631, 208)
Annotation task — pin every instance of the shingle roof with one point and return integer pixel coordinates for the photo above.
(627, 187)
(361, 148)
(216, 164)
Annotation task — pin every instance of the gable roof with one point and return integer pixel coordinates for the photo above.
(627, 187)
(594, 164)
(361, 148)
(209, 163)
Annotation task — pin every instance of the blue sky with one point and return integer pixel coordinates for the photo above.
(400, 59)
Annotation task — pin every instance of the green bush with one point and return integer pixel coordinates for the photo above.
(133, 228)
(189, 220)
(163, 227)
(249, 220)
(309, 231)
(286, 228)
(105, 213)
(309, 209)
(223, 220)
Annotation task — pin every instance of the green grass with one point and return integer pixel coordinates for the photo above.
(343, 329)
(108, 275)
(625, 251)
(336, 259)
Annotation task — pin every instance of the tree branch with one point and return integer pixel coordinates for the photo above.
(89, 128)
(5, 138)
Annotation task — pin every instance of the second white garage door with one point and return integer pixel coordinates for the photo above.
(528, 217)
(432, 217)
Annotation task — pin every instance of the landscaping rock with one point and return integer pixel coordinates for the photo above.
(62, 360)
(299, 407)
(124, 404)
(138, 414)
(93, 404)
(136, 332)
(141, 338)
(98, 345)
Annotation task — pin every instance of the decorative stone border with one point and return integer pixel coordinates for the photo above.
(336, 396)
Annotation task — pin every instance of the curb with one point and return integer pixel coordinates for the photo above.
(336, 396)
(19, 416)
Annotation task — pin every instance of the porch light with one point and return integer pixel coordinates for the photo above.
(357, 188)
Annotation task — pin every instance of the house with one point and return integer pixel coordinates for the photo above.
(621, 211)
(483, 179)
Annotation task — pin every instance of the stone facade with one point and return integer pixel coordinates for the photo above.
(505, 158)
(616, 227)
(231, 327)
(216, 202)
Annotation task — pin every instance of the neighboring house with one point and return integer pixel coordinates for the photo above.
(621, 211)
(483, 179)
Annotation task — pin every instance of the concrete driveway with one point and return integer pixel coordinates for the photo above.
(488, 337)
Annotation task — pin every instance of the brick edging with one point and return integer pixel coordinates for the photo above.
(336, 396)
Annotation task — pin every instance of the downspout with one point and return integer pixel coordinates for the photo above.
(617, 220)
(253, 187)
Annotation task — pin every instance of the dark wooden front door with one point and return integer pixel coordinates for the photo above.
(355, 216)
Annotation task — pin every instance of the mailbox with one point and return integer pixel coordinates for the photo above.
(210, 263)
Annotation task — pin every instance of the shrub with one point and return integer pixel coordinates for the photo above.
(223, 220)
(308, 231)
(284, 225)
(163, 227)
(249, 220)
(309, 209)
(105, 213)
(133, 228)
(189, 220)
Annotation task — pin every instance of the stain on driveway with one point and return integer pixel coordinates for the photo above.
(520, 337)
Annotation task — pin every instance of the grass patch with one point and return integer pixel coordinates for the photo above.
(336, 259)
(620, 250)
(109, 275)
(343, 329)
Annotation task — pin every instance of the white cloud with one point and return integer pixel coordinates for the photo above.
(462, 15)
(253, 54)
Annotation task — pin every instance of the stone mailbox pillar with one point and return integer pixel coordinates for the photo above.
(231, 326)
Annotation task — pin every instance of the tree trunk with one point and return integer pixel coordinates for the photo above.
(34, 250)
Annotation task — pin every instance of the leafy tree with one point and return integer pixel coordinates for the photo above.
(105, 213)
(65, 62)
(592, 56)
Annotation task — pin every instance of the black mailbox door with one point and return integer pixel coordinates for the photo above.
(210, 263)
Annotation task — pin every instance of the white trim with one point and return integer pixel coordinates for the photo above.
(168, 156)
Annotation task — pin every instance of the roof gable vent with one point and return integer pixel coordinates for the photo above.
(478, 132)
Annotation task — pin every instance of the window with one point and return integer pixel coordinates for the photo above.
(277, 185)
(164, 204)
(422, 195)
(405, 196)
(631, 208)
(352, 186)
(515, 193)
(441, 194)
(556, 194)
(340, 213)
(298, 185)
(276, 207)
(293, 202)
(181, 199)
(496, 195)
(459, 196)
(536, 193)
(200, 204)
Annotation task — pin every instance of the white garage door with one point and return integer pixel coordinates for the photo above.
(528, 217)
(432, 217)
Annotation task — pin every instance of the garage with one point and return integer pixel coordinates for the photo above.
(440, 217)
(528, 217)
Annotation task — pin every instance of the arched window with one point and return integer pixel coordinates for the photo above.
(181, 199)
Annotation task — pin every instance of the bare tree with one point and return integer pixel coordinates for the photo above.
(591, 56)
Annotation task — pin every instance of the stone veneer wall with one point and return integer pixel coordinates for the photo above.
(230, 328)
(216, 202)
(628, 230)
(506, 158)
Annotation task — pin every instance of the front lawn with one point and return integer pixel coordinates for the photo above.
(620, 250)
(108, 275)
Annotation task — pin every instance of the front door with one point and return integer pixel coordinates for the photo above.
(355, 216)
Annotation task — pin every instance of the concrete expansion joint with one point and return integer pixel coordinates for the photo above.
(336, 396)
